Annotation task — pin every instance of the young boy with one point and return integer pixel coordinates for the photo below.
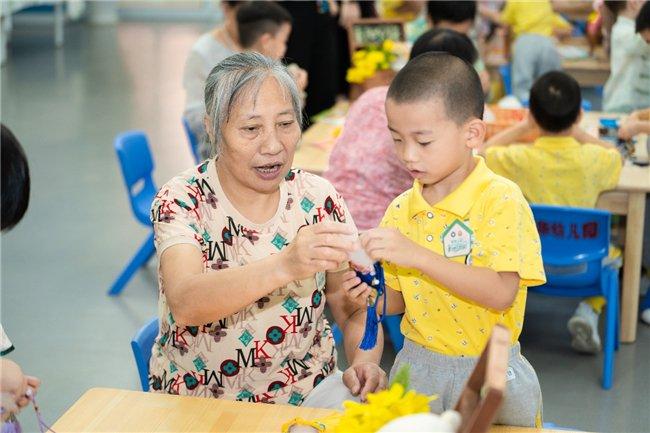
(628, 86)
(565, 166)
(460, 247)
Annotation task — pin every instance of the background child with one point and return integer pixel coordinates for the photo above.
(460, 247)
(628, 86)
(566, 166)
(533, 25)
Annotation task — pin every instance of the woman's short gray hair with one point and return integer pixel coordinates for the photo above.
(239, 73)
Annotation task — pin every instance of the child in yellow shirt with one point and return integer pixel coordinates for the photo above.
(533, 25)
(460, 247)
(565, 166)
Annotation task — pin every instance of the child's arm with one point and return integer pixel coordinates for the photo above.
(491, 15)
(510, 135)
(496, 290)
(584, 137)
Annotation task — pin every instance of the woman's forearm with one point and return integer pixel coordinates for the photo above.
(198, 298)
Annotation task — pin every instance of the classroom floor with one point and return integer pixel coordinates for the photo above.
(66, 106)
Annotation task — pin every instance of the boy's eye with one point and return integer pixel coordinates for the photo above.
(424, 143)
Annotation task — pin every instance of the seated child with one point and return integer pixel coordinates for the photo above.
(458, 16)
(533, 25)
(363, 166)
(628, 85)
(565, 166)
(261, 26)
(460, 247)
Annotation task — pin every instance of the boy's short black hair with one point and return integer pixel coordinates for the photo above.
(15, 180)
(454, 11)
(555, 101)
(447, 41)
(256, 18)
(642, 21)
(444, 76)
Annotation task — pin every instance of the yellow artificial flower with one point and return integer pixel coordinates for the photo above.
(381, 408)
(376, 57)
(388, 45)
(358, 55)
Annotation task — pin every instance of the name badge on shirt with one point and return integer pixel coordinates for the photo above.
(457, 239)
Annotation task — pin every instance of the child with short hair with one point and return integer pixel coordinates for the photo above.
(628, 85)
(565, 166)
(460, 247)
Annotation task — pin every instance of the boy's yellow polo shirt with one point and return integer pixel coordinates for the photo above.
(558, 170)
(492, 212)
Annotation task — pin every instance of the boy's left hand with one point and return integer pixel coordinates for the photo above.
(356, 292)
(364, 377)
(390, 245)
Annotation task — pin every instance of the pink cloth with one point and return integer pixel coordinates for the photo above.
(363, 166)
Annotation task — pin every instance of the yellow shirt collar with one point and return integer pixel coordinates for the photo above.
(556, 142)
(461, 200)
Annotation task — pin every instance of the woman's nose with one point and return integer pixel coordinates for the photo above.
(272, 144)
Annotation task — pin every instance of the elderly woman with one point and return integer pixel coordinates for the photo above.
(250, 251)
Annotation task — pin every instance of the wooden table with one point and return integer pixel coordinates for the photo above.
(114, 410)
(628, 199)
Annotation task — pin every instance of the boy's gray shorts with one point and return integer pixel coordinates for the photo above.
(445, 376)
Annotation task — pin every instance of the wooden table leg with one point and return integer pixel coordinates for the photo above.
(632, 266)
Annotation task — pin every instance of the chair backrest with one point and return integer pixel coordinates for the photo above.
(141, 345)
(133, 152)
(574, 243)
(192, 139)
(506, 77)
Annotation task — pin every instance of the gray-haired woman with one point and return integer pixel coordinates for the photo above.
(249, 251)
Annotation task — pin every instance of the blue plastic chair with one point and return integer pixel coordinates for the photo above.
(193, 141)
(133, 153)
(575, 246)
(141, 345)
(506, 77)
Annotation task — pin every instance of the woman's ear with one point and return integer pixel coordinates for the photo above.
(207, 124)
(475, 130)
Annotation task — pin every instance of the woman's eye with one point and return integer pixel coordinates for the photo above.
(251, 128)
(286, 124)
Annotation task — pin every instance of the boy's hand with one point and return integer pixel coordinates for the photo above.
(390, 245)
(356, 292)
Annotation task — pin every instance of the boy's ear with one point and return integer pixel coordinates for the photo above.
(475, 131)
(262, 43)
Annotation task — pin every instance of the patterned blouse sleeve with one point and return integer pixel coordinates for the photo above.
(175, 215)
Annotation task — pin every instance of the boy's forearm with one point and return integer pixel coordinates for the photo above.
(481, 285)
(507, 136)
(353, 331)
(584, 137)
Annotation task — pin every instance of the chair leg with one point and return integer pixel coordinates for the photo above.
(610, 330)
(140, 258)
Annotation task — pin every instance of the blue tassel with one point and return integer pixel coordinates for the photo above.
(373, 319)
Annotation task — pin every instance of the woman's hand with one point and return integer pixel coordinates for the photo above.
(364, 377)
(350, 12)
(390, 245)
(356, 292)
(629, 128)
(317, 248)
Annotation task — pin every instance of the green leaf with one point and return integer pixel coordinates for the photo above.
(403, 377)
